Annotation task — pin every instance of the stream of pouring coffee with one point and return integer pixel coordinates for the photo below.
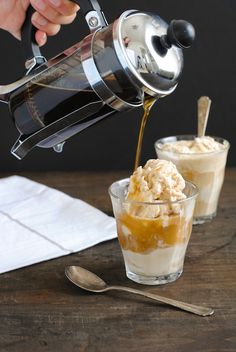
(147, 105)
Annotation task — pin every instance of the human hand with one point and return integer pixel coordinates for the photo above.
(48, 17)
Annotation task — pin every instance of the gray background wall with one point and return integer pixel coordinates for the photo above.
(210, 69)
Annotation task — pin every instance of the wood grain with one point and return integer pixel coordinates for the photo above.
(40, 310)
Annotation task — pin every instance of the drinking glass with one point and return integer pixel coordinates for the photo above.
(153, 236)
(205, 169)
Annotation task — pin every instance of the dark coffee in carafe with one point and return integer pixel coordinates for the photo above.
(49, 96)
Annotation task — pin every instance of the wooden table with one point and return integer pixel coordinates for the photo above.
(40, 310)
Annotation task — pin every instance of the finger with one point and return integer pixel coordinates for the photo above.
(40, 37)
(44, 25)
(51, 14)
(64, 7)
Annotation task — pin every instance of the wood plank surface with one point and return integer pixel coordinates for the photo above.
(40, 310)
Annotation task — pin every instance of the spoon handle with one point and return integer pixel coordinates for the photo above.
(203, 311)
(204, 104)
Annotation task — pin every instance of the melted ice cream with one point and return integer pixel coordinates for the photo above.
(198, 145)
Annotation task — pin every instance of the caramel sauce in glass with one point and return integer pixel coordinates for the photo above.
(146, 235)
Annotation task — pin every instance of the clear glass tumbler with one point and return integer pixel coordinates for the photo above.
(153, 236)
(204, 169)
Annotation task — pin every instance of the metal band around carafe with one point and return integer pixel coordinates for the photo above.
(95, 79)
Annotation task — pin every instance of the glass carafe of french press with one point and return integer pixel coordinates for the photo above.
(109, 71)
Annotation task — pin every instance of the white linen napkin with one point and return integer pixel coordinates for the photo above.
(38, 223)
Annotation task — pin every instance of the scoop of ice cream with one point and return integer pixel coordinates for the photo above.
(204, 144)
(158, 180)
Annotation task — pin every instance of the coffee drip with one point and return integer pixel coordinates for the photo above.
(147, 106)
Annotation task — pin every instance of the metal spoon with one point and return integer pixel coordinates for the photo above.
(90, 282)
(204, 104)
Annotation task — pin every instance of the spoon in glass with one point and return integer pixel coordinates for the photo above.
(204, 105)
(90, 282)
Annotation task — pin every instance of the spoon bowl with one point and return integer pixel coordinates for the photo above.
(85, 279)
(91, 282)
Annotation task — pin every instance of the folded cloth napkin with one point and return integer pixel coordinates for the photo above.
(38, 223)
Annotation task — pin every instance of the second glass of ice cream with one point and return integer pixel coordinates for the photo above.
(154, 211)
(201, 161)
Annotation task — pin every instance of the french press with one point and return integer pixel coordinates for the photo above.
(110, 70)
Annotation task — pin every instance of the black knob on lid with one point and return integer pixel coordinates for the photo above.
(179, 33)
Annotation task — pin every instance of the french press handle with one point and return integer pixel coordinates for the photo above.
(93, 15)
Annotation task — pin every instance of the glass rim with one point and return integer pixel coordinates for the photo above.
(186, 136)
(128, 201)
